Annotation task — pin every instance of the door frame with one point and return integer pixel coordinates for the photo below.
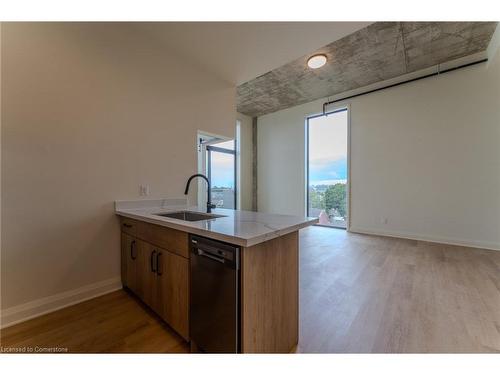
(335, 109)
(209, 149)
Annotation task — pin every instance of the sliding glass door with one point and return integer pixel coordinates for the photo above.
(221, 171)
(327, 168)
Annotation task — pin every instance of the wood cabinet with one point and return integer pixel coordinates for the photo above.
(148, 277)
(129, 226)
(169, 239)
(155, 270)
(173, 291)
(130, 263)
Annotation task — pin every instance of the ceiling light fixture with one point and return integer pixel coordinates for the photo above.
(316, 61)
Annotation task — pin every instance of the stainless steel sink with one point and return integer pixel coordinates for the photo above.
(189, 215)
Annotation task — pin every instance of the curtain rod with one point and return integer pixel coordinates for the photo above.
(403, 82)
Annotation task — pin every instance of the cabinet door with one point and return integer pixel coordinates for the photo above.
(173, 291)
(123, 258)
(148, 274)
(130, 262)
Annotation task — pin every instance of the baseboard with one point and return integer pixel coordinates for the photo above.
(26, 311)
(419, 237)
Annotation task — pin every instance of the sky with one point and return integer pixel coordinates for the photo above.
(223, 167)
(328, 149)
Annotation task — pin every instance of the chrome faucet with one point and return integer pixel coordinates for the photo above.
(209, 197)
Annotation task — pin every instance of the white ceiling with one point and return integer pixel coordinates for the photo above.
(240, 51)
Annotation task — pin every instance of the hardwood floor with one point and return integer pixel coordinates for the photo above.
(113, 323)
(363, 294)
(358, 293)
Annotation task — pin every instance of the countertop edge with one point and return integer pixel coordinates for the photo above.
(219, 236)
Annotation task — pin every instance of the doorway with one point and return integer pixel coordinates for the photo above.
(221, 171)
(217, 160)
(327, 168)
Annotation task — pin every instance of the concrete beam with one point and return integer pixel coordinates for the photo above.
(379, 52)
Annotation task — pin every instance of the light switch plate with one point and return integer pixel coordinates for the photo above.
(144, 190)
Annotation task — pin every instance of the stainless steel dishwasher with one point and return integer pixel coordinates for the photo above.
(215, 289)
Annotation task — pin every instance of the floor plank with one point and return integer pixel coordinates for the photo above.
(358, 294)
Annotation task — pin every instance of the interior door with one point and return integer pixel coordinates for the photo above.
(173, 291)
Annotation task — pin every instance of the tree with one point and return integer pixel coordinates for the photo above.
(335, 197)
(316, 199)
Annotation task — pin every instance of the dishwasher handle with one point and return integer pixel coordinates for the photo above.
(220, 252)
(213, 257)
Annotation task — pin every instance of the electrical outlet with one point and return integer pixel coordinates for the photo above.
(144, 190)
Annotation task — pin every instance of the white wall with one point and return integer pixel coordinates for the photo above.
(245, 165)
(424, 155)
(89, 112)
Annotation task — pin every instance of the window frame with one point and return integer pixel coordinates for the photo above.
(341, 108)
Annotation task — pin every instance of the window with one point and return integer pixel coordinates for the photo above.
(327, 168)
(221, 171)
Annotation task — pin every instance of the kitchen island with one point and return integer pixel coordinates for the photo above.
(157, 266)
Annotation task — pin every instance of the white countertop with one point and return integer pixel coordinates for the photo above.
(244, 228)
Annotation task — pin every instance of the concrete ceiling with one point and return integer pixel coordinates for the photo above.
(378, 52)
(240, 51)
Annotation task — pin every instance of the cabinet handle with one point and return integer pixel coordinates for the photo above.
(132, 247)
(158, 264)
(151, 261)
(127, 225)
